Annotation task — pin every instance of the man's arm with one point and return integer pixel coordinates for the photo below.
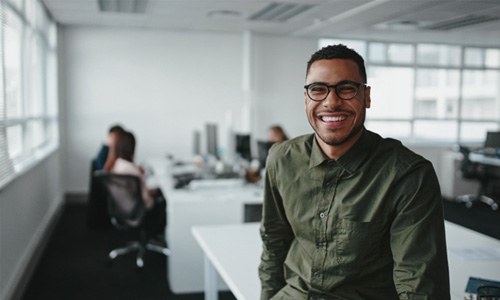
(276, 237)
(418, 237)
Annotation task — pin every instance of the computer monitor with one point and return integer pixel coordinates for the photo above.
(243, 148)
(492, 139)
(196, 143)
(212, 143)
(262, 151)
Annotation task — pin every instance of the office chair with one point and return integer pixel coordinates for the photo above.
(97, 212)
(476, 171)
(127, 212)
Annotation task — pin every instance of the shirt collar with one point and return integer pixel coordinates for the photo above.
(353, 159)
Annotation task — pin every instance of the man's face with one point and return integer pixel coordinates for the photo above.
(338, 123)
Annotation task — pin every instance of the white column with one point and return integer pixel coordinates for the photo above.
(246, 114)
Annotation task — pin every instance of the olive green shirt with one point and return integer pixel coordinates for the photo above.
(368, 225)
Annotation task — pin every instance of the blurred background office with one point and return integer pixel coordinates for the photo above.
(168, 68)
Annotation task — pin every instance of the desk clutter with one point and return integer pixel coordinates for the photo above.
(488, 152)
(480, 288)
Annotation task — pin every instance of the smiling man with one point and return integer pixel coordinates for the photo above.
(348, 214)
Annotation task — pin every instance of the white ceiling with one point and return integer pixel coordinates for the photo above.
(387, 20)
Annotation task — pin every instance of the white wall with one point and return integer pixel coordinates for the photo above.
(27, 206)
(162, 85)
(279, 78)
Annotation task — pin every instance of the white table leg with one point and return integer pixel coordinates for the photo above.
(211, 292)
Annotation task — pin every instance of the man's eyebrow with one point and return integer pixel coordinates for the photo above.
(340, 82)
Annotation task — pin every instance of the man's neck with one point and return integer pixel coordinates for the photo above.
(336, 151)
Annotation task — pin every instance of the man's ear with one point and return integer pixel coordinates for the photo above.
(368, 98)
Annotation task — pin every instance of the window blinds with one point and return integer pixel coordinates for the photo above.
(6, 166)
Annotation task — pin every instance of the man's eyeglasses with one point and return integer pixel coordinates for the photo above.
(345, 90)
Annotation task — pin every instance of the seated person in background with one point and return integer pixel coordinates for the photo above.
(154, 202)
(105, 156)
(276, 134)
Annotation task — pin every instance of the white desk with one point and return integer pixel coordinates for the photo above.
(234, 252)
(205, 205)
(483, 159)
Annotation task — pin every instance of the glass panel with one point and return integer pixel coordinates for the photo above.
(400, 53)
(52, 132)
(442, 55)
(35, 134)
(474, 57)
(492, 58)
(436, 93)
(15, 141)
(35, 101)
(393, 129)
(378, 52)
(12, 62)
(481, 95)
(391, 92)
(51, 85)
(435, 131)
(476, 131)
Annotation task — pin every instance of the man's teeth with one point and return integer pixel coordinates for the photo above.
(334, 119)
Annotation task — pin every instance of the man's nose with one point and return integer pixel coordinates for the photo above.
(332, 100)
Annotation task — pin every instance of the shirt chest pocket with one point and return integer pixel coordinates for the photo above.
(359, 243)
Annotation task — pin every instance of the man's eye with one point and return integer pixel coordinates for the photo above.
(346, 88)
(318, 89)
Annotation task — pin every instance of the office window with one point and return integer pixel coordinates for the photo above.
(395, 53)
(438, 55)
(377, 53)
(425, 130)
(474, 57)
(391, 92)
(12, 63)
(28, 111)
(437, 93)
(400, 53)
(393, 129)
(470, 130)
(492, 58)
(431, 92)
(481, 95)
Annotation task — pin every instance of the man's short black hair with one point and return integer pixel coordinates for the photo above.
(338, 52)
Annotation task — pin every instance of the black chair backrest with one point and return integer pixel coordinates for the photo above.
(492, 139)
(124, 194)
(467, 167)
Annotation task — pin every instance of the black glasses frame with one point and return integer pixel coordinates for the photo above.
(335, 87)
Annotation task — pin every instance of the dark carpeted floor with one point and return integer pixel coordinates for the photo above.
(75, 266)
(480, 217)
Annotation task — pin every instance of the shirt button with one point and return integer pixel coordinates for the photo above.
(322, 215)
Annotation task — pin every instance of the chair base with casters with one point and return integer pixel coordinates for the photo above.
(140, 247)
(128, 213)
(481, 173)
(470, 199)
